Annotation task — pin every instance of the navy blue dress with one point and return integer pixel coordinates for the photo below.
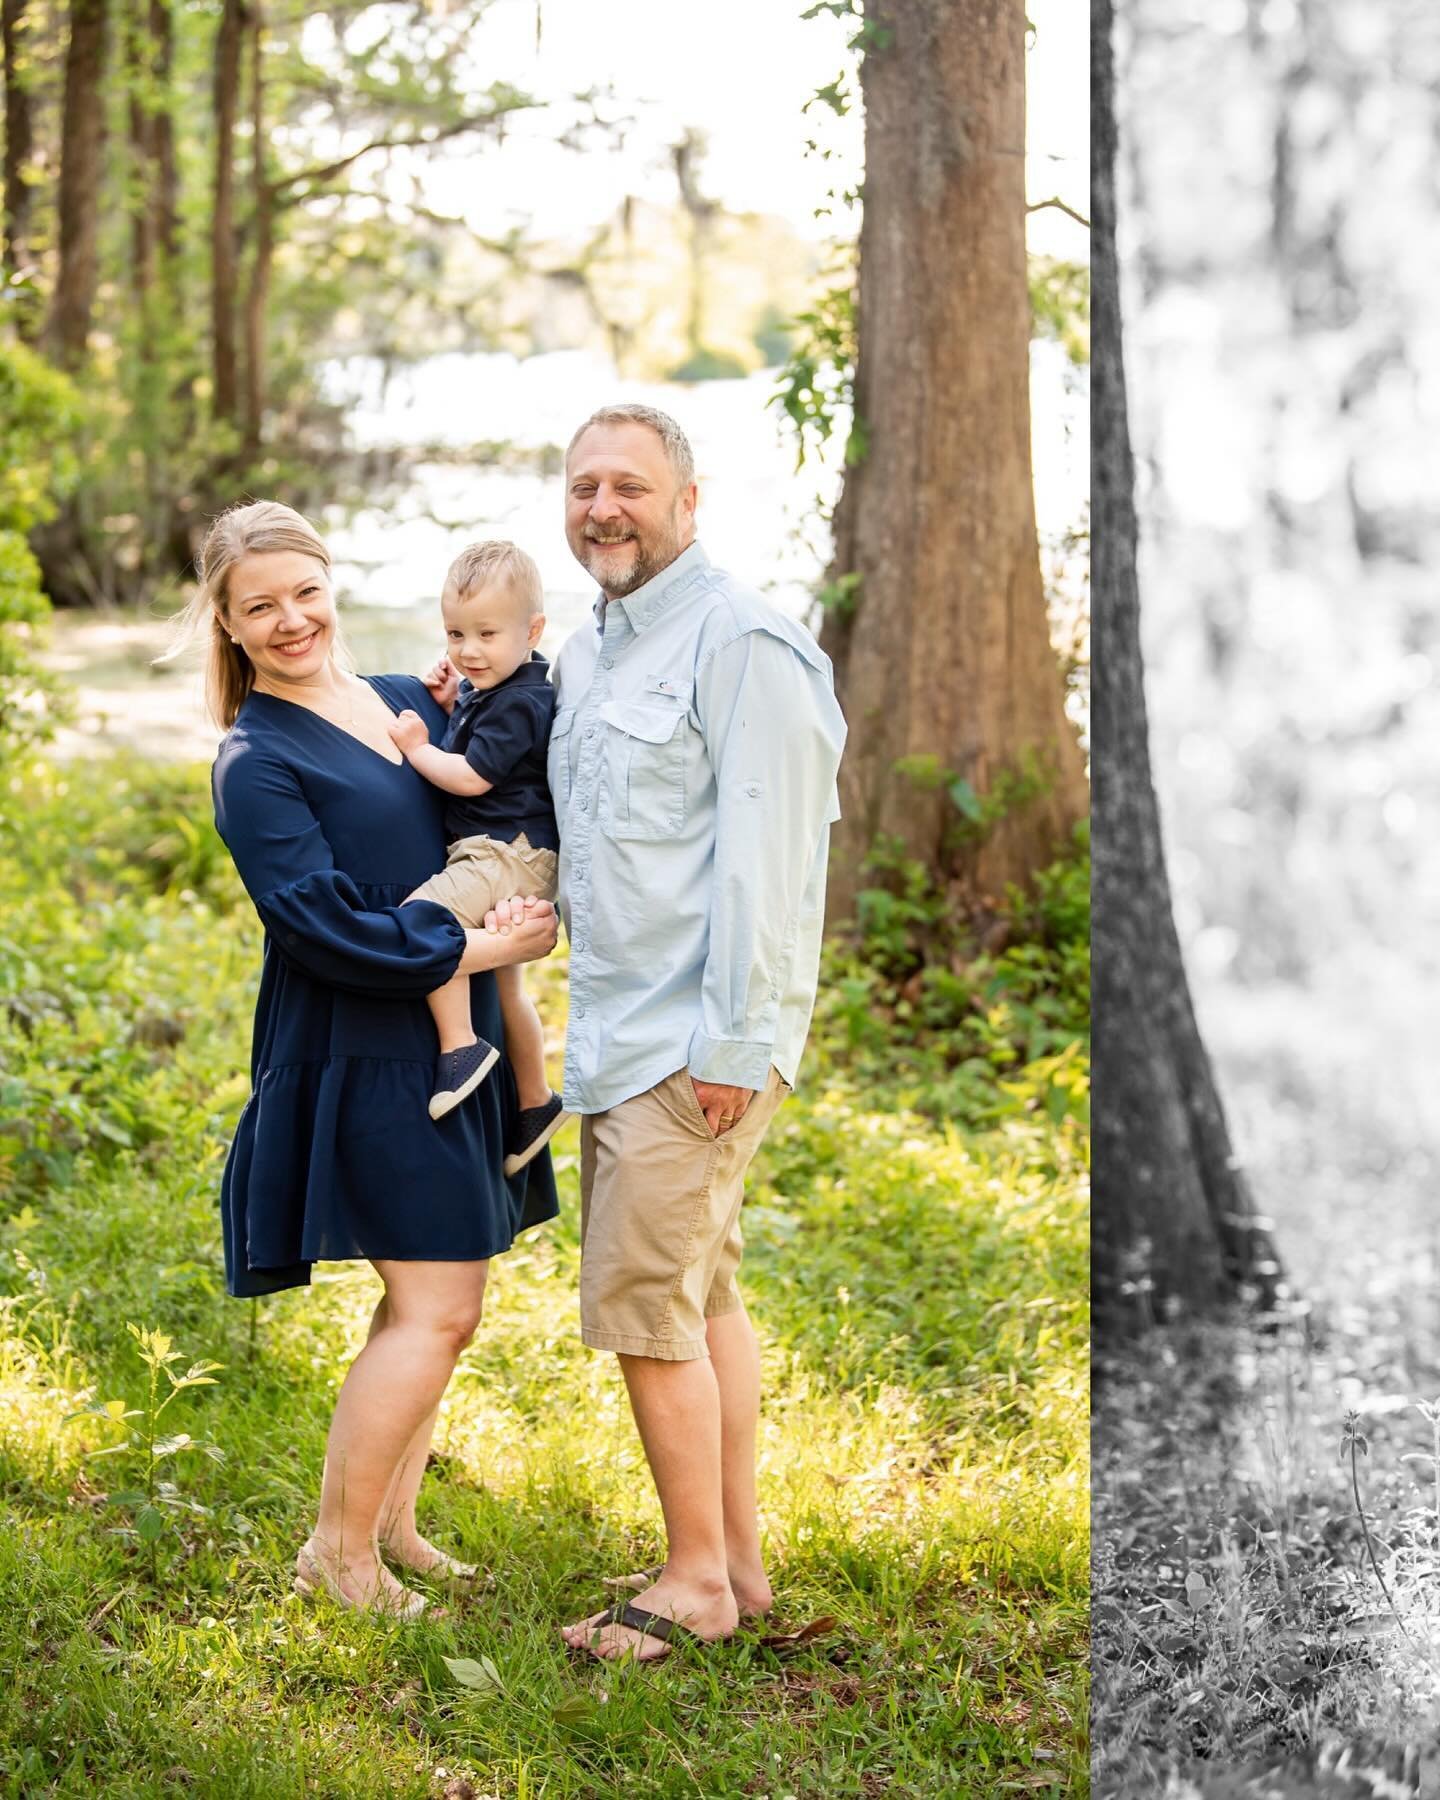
(335, 1155)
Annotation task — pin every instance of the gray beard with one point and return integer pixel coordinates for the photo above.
(646, 566)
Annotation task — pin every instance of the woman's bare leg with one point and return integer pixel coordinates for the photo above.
(524, 1037)
(389, 1396)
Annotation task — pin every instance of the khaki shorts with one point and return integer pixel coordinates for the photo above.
(480, 872)
(660, 1218)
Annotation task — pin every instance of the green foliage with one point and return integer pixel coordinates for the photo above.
(39, 412)
(1060, 304)
(708, 365)
(817, 385)
(920, 1296)
(155, 1503)
(870, 35)
(986, 1027)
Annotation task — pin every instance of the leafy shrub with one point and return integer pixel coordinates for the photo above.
(39, 410)
(975, 1029)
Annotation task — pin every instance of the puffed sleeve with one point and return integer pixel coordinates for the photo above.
(314, 912)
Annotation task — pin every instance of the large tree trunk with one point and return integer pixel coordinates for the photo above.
(1173, 1215)
(19, 140)
(945, 653)
(257, 293)
(82, 146)
(229, 46)
(166, 174)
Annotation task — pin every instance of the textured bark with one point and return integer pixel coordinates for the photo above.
(19, 141)
(257, 292)
(166, 174)
(82, 148)
(149, 50)
(229, 49)
(1171, 1205)
(947, 651)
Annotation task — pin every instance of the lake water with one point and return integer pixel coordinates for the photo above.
(757, 516)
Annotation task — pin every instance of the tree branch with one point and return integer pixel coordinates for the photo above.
(282, 191)
(1060, 206)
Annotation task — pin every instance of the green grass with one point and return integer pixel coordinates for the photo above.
(920, 1296)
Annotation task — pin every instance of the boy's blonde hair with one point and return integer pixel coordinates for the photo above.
(497, 559)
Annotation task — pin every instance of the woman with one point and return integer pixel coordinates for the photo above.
(335, 1155)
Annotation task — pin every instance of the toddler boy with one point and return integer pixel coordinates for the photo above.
(499, 818)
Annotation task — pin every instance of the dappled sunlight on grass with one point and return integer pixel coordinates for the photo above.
(919, 1298)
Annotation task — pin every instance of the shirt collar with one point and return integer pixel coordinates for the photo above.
(660, 592)
(537, 669)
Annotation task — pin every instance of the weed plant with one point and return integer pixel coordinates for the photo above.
(919, 1291)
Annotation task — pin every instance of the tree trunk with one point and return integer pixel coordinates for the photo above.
(257, 293)
(166, 173)
(19, 141)
(1173, 1215)
(229, 44)
(942, 650)
(82, 146)
(139, 80)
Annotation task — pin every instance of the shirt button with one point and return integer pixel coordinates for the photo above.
(579, 943)
(752, 789)
(579, 1012)
(589, 731)
(607, 662)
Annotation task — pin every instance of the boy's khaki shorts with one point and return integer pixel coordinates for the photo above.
(660, 1218)
(480, 872)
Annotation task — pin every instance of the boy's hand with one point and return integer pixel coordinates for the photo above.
(443, 682)
(408, 731)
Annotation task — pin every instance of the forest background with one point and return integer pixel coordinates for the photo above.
(1259, 1597)
(229, 230)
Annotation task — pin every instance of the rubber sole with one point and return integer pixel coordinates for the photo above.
(440, 1104)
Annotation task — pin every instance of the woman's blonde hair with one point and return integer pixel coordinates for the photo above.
(248, 530)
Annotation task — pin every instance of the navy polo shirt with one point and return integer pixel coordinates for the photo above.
(503, 732)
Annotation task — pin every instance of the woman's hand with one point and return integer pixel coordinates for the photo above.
(443, 682)
(523, 931)
(409, 731)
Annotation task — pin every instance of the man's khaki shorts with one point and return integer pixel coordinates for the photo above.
(660, 1218)
(482, 871)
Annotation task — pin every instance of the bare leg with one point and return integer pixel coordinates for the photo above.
(524, 1036)
(735, 1358)
(677, 1408)
(391, 1392)
(450, 1009)
(399, 1534)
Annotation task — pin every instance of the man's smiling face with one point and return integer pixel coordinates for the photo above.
(626, 515)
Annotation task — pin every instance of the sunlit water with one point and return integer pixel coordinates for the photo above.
(759, 516)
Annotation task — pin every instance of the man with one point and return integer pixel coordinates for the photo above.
(692, 763)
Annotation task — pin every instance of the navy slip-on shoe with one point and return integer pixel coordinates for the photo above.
(460, 1072)
(533, 1130)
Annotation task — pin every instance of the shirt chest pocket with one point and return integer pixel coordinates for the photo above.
(646, 752)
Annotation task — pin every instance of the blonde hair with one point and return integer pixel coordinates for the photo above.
(251, 529)
(497, 559)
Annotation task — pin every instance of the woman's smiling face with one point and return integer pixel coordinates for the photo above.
(281, 610)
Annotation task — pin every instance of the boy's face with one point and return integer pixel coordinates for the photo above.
(489, 632)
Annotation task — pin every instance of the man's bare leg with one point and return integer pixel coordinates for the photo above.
(735, 1358)
(677, 1410)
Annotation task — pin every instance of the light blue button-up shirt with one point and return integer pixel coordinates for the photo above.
(692, 764)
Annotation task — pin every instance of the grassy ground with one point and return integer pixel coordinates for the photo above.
(919, 1291)
(1240, 1621)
